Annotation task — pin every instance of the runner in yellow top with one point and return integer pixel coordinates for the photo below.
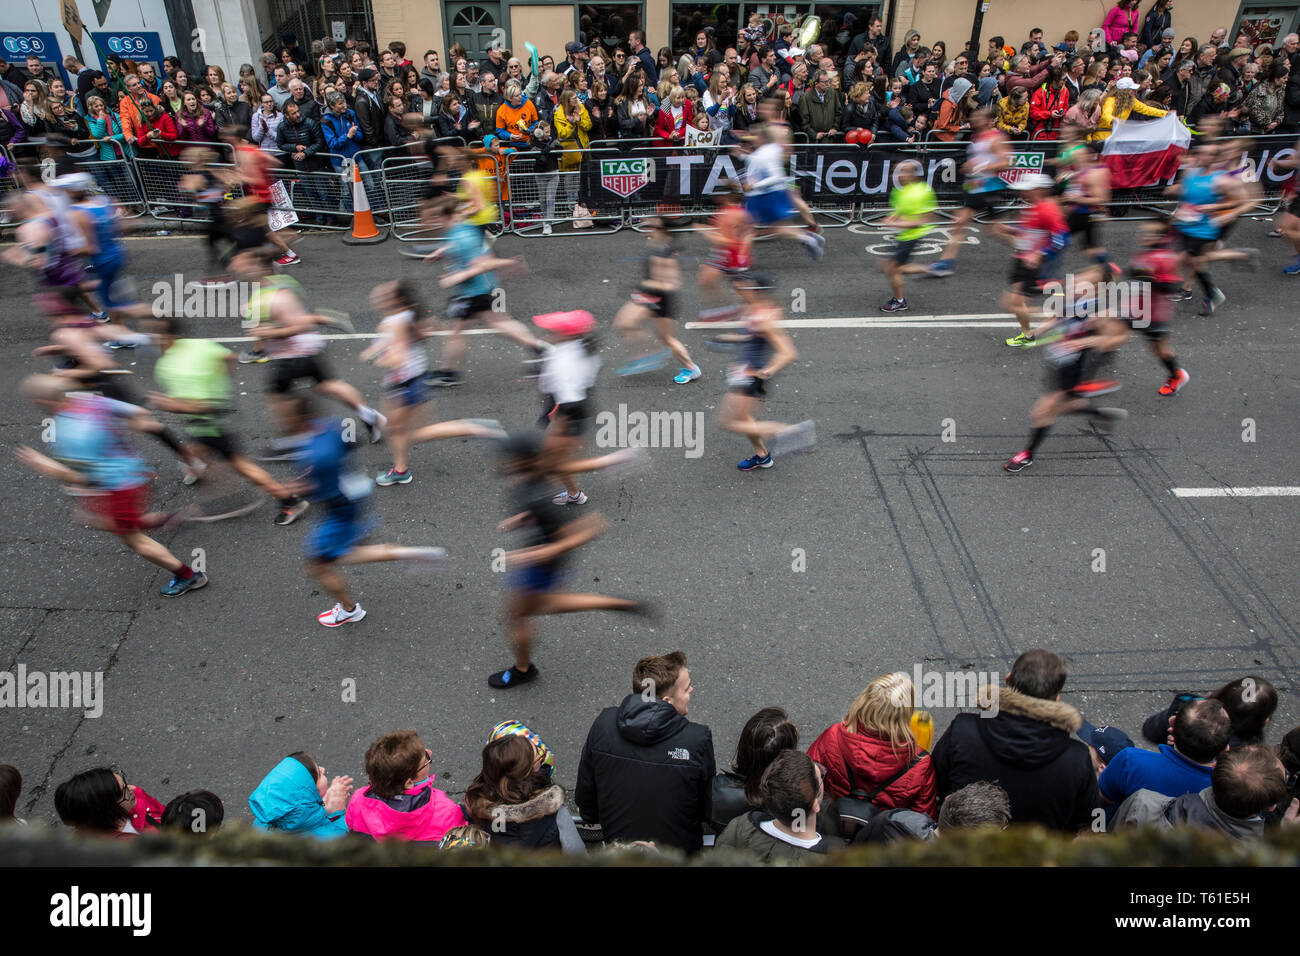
(477, 193)
(912, 206)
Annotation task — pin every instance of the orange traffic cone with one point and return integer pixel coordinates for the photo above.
(364, 230)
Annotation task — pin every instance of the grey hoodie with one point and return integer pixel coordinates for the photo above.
(1149, 808)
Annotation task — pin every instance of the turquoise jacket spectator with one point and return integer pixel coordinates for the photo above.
(99, 130)
(287, 800)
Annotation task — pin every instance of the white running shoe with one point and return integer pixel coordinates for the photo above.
(337, 617)
(194, 472)
(564, 498)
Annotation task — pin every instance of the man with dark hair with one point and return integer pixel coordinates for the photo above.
(1245, 783)
(431, 69)
(636, 43)
(875, 37)
(1022, 740)
(495, 62)
(792, 790)
(1201, 731)
(370, 113)
(766, 76)
(646, 771)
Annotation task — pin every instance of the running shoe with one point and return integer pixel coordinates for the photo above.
(942, 269)
(510, 677)
(1022, 341)
(1101, 386)
(337, 617)
(444, 378)
(193, 472)
(1275, 234)
(796, 438)
(116, 345)
(100, 317)
(394, 477)
(1174, 382)
(1207, 307)
(895, 305)
(1018, 462)
(290, 258)
(1293, 269)
(253, 357)
(687, 375)
(564, 498)
(1106, 419)
(756, 461)
(376, 428)
(178, 586)
(646, 363)
(1184, 295)
(291, 513)
(816, 245)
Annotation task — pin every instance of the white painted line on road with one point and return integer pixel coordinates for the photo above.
(991, 320)
(1259, 491)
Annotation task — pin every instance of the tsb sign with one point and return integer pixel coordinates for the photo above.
(128, 45)
(24, 45)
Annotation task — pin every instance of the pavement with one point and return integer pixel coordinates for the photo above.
(898, 542)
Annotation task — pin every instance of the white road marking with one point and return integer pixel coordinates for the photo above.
(992, 320)
(1258, 491)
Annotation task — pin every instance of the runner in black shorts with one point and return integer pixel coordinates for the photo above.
(1086, 196)
(1068, 361)
(656, 298)
(987, 157)
(765, 350)
(1155, 266)
(567, 375)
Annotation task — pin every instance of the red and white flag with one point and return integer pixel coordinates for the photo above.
(1145, 152)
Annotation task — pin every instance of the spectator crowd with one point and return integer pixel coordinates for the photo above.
(647, 776)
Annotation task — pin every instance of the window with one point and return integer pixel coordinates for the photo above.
(606, 25)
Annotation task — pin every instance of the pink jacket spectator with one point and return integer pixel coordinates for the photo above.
(1119, 22)
(199, 129)
(423, 813)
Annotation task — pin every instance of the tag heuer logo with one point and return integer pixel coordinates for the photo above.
(623, 177)
(1021, 164)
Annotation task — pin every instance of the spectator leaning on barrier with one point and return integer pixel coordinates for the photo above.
(1048, 105)
(1245, 783)
(156, 134)
(646, 771)
(104, 124)
(298, 797)
(1027, 748)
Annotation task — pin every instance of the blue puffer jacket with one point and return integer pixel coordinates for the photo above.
(287, 799)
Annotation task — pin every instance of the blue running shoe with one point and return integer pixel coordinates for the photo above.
(178, 586)
(687, 375)
(1294, 268)
(942, 269)
(647, 363)
(757, 461)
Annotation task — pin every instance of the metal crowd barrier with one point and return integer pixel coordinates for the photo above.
(527, 199)
(534, 199)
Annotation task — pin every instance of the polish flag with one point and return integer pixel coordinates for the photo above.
(1145, 152)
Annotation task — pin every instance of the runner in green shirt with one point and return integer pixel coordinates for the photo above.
(912, 206)
(195, 376)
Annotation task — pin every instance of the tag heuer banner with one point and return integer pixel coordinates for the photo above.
(844, 173)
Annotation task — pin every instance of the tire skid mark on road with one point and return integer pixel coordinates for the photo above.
(860, 436)
(1235, 584)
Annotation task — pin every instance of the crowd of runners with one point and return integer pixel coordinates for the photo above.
(70, 239)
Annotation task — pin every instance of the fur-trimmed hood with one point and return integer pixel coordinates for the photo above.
(542, 805)
(1028, 732)
(1060, 715)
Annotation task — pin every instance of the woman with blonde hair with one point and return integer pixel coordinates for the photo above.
(1118, 106)
(872, 754)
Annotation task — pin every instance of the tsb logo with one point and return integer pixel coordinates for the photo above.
(24, 45)
(128, 44)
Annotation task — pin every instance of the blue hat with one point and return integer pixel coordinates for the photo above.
(1107, 741)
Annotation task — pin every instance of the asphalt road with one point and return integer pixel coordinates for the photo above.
(885, 549)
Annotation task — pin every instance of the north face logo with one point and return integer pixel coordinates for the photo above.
(679, 753)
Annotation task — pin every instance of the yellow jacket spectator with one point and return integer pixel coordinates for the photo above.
(572, 124)
(1119, 106)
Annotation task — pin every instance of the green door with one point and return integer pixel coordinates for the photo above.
(476, 26)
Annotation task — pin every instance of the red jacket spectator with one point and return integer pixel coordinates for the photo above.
(159, 147)
(866, 762)
(1044, 118)
(673, 132)
(1035, 78)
